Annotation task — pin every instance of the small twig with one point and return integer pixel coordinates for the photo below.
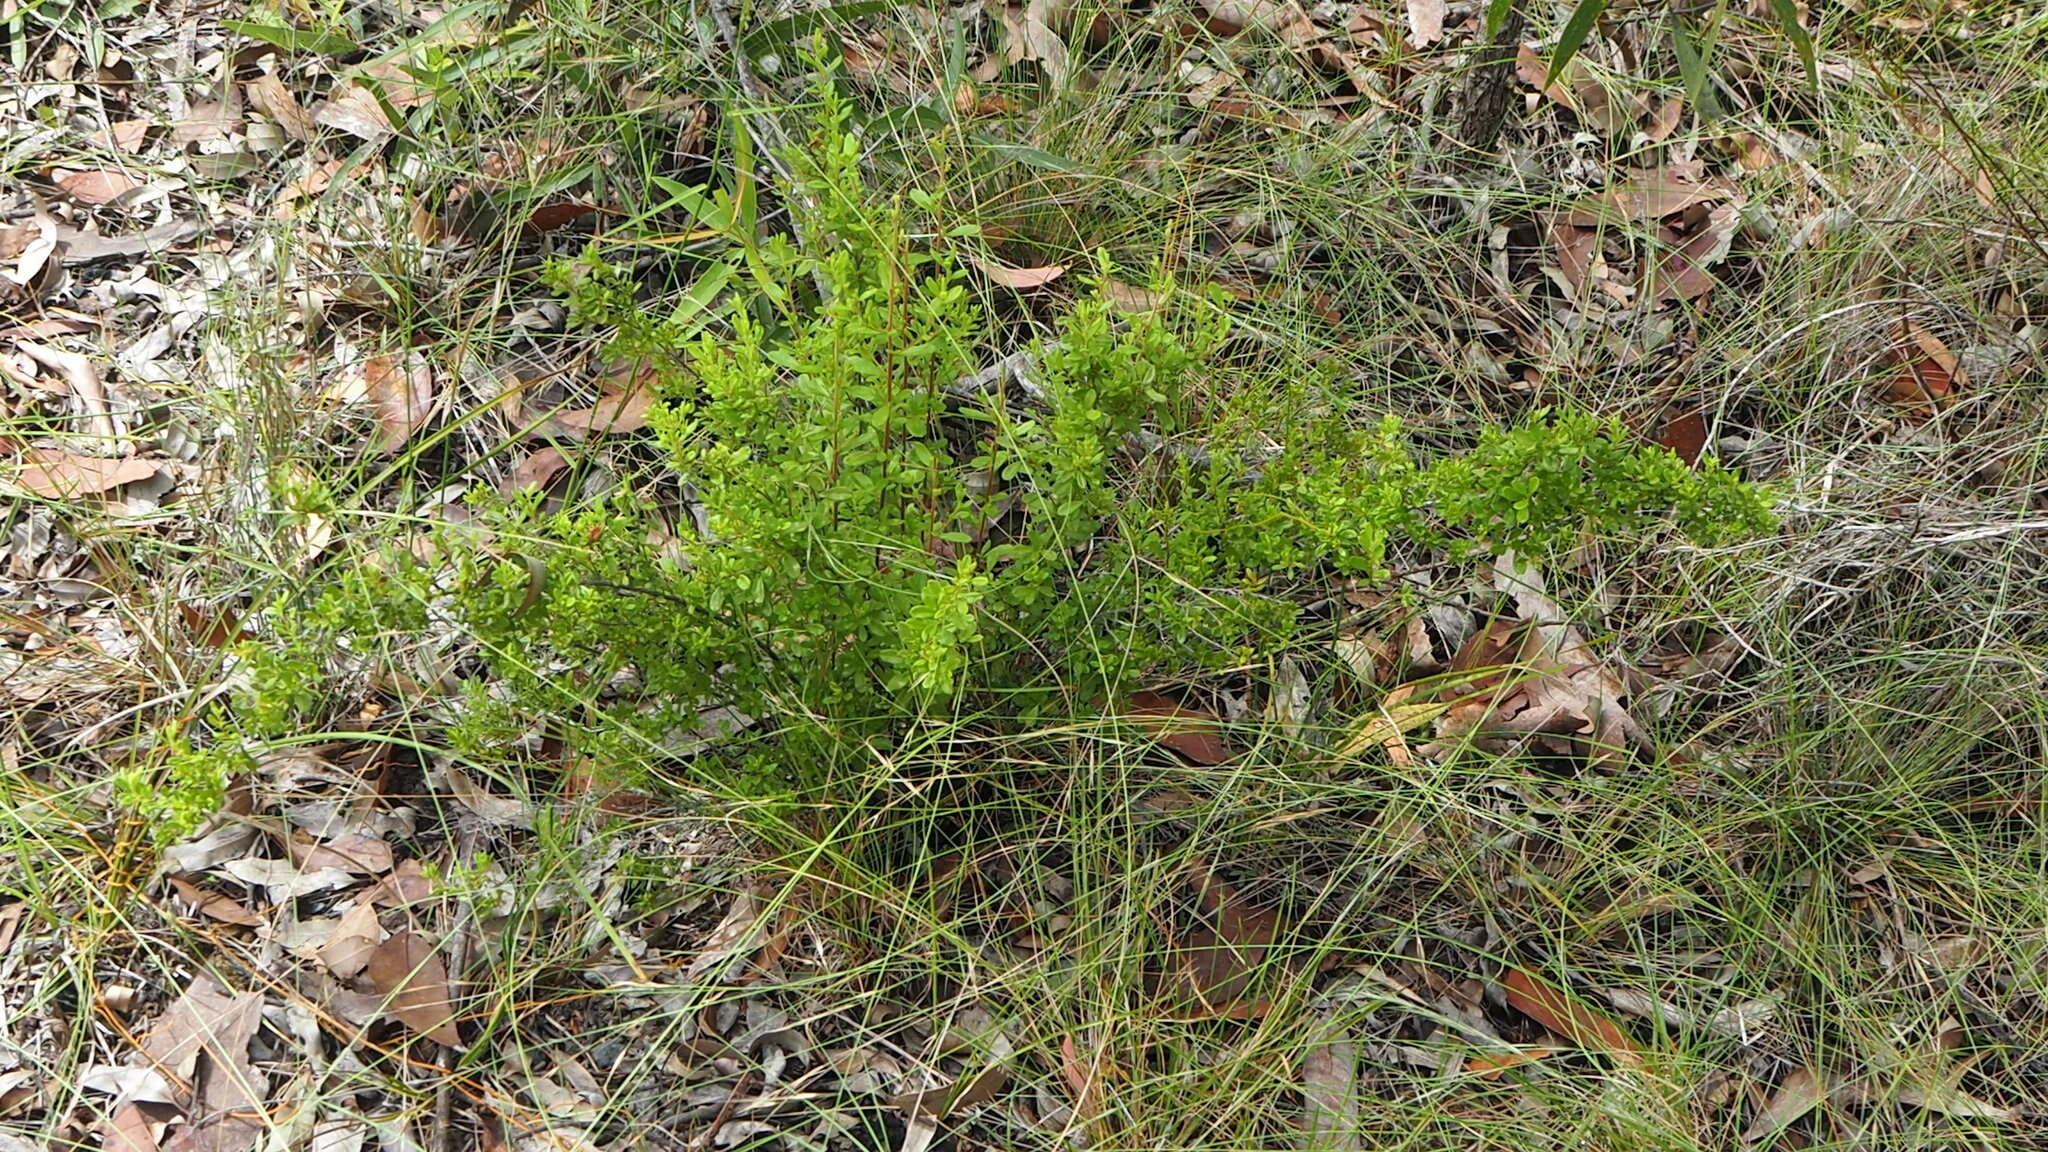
(442, 1139)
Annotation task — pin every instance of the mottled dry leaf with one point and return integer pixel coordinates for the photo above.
(95, 185)
(1647, 196)
(1021, 279)
(409, 971)
(268, 94)
(1425, 22)
(1329, 1092)
(1557, 1011)
(355, 111)
(67, 475)
(400, 389)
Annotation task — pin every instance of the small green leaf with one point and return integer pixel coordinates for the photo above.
(1576, 29)
(1788, 19)
(1034, 157)
(696, 308)
(293, 39)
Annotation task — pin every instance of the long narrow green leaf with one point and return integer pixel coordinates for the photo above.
(1497, 15)
(1692, 68)
(1788, 19)
(294, 39)
(1576, 29)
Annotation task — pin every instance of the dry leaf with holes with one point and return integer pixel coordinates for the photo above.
(410, 973)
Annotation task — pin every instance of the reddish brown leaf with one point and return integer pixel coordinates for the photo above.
(1531, 70)
(214, 629)
(67, 475)
(1686, 435)
(549, 217)
(408, 970)
(1557, 1011)
(1021, 279)
(1929, 374)
(95, 185)
(1182, 730)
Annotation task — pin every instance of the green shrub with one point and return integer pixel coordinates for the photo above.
(878, 547)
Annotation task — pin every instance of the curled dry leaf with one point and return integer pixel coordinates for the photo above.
(1929, 374)
(270, 96)
(414, 980)
(1560, 1013)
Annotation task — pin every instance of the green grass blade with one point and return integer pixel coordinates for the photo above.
(1576, 29)
(1787, 12)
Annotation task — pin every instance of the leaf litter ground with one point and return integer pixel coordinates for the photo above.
(1763, 868)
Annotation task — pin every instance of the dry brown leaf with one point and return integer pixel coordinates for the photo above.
(1664, 120)
(1020, 279)
(83, 247)
(68, 476)
(734, 938)
(1128, 298)
(400, 389)
(1183, 730)
(208, 1020)
(354, 942)
(356, 852)
(215, 905)
(125, 135)
(1531, 70)
(410, 973)
(205, 123)
(1686, 435)
(1560, 1013)
(95, 185)
(84, 381)
(1799, 1093)
(537, 470)
(407, 885)
(616, 413)
(1681, 273)
(485, 804)
(130, 1129)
